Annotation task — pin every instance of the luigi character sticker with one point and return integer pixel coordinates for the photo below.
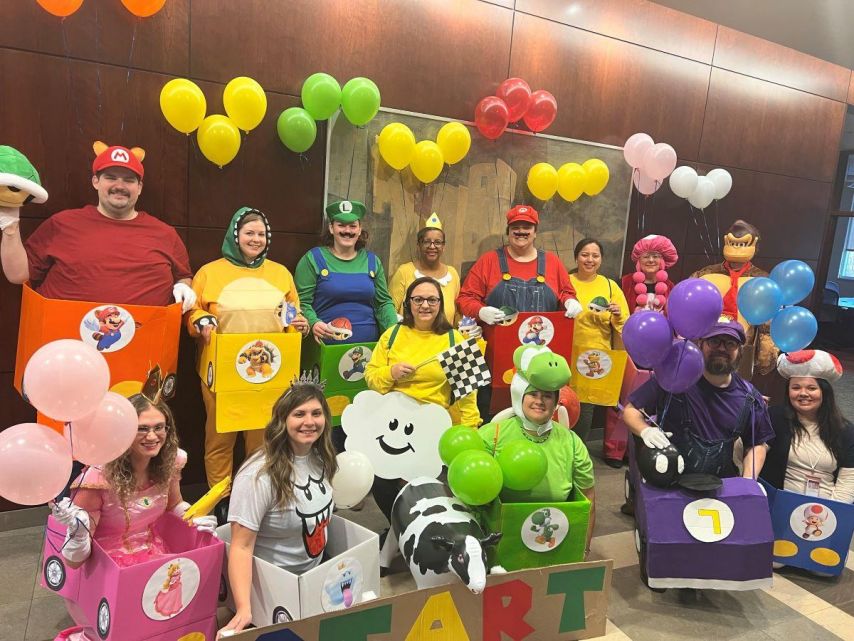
(107, 328)
(258, 361)
(544, 529)
(352, 365)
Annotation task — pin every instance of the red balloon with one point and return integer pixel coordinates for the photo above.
(517, 94)
(542, 111)
(491, 117)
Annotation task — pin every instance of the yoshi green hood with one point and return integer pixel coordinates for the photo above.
(537, 368)
(230, 249)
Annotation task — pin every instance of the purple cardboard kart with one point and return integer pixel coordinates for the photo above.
(169, 598)
(721, 539)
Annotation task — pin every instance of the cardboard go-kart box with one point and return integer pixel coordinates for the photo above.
(247, 373)
(350, 575)
(172, 597)
(342, 366)
(537, 535)
(551, 329)
(810, 532)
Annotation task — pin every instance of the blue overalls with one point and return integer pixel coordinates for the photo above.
(350, 296)
(532, 295)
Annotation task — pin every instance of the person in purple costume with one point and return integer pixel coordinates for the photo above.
(705, 421)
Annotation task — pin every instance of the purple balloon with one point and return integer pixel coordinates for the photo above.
(693, 307)
(647, 337)
(681, 368)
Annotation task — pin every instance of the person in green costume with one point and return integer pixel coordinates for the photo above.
(540, 374)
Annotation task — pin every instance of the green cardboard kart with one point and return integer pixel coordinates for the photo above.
(537, 534)
(342, 366)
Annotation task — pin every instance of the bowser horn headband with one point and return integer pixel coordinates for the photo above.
(740, 242)
(117, 156)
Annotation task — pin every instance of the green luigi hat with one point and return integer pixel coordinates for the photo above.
(18, 175)
(345, 211)
(598, 304)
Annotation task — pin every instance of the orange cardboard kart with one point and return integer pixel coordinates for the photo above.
(132, 338)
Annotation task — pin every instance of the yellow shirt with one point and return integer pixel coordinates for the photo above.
(593, 328)
(407, 273)
(428, 384)
(242, 299)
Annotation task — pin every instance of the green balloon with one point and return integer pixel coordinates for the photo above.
(297, 129)
(459, 438)
(475, 477)
(523, 465)
(360, 100)
(321, 95)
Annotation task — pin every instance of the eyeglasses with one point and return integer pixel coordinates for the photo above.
(158, 429)
(432, 301)
(651, 256)
(432, 243)
(719, 341)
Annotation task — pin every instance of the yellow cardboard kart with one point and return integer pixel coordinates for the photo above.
(247, 373)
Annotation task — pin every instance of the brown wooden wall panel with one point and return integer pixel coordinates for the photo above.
(639, 21)
(439, 57)
(754, 124)
(205, 245)
(61, 107)
(752, 56)
(606, 89)
(103, 31)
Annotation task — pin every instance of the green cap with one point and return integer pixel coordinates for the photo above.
(598, 304)
(16, 171)
(345, 211)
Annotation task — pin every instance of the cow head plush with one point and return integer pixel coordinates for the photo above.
(467, 557)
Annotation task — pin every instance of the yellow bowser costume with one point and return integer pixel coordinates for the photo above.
(739, 248)
(248, 299)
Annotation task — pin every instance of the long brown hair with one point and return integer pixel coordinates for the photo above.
(277, 451)
(831, 423)
(161, 468)
(440, 323)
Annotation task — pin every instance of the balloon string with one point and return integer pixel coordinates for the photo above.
(717, 230)
(705, 217)
(127, 77)
(352, 161)
(97, 57)
(699, 230)
(74, 101)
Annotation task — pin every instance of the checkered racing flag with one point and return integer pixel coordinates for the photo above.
(465, 368)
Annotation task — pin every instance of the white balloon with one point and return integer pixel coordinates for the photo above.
(683, 181)
(722, 180)
(704, 193)
(353, 480)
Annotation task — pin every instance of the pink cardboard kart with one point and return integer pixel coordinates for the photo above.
(170, 598)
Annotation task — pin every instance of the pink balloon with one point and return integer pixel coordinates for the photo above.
(659, 161)
(66, 379)
(35, 463)
(644, 184)
(106, 433)
(635, 148)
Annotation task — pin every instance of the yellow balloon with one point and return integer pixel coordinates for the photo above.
(542, 180)
(183, 104)
(571, 180)
(219, 139)
(245, 102)
(454, 140)
(427, 161)
(397, 144)
(597, 176)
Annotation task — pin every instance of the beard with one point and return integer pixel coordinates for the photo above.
(721, 364)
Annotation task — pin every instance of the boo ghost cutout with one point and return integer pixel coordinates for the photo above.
(398, 434)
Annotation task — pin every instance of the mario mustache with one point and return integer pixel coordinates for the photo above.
(123, 192)
(347, 234)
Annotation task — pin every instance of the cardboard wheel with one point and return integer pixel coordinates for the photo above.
(54, 573)
(104, 618)
(640, 546)
(281, 615)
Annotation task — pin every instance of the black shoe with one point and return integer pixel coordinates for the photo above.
(612, 462)
(221, 511)
(628, 508)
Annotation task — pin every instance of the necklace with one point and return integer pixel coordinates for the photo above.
(535, 439)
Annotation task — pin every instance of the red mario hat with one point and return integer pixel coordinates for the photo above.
(105, 313)
(118, 156)
(523, 213)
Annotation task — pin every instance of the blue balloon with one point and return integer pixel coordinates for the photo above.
(759, 299)
(796, 280)
(793, 328)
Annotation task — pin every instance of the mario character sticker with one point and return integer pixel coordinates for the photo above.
(107, 328)
(536, 330)
(594, 363)
(343, 586)
(813, 521)
(258, 361)
(352, 365)
(170, 589)
(708, 520)
(544, 529)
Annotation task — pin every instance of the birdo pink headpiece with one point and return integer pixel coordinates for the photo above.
(660, 245)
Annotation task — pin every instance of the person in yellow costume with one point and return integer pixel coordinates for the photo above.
(605, 311)
(242, 292)
(399, 363)
(430, 244)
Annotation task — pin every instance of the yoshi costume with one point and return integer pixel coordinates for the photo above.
(237, 297)
(569, 464)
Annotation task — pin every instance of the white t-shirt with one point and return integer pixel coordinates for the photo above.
(809, 456)
(292, 537)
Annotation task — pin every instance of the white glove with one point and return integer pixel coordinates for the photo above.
(78, 544)
(573, 308)
(205, 523)
(490, 315)
(654, 438)
(399, 318)
(185, 295)
(9, 216)
(475, 332)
